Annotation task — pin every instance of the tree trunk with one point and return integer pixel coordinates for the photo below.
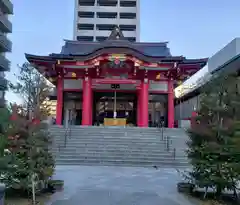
(219, 191)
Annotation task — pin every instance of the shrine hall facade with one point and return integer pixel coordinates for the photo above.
(115, 82)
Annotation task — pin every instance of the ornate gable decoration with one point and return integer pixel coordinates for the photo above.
(116, 34)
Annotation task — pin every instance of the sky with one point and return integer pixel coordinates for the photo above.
(193, 28)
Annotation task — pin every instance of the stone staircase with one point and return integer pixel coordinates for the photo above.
(119, 146)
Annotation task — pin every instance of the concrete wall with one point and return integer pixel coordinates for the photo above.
(184, 110)
(226, 54)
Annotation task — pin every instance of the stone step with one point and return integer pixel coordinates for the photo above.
(116, 138)
(107, 144)
(120, 129)
(116, 154)
(109, 149)
(113, 137)
(112, 142)
(121, 157)
(115, 162)
(118, 135)
(113, 128)
(124, 158)
(135, 135)
(116, 147)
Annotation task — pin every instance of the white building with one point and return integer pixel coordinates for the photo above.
(95, 19)
(6, 9)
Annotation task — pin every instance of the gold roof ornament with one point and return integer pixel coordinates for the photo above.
(74, 75)
(136, 64)
(158, 76)
(96, 62)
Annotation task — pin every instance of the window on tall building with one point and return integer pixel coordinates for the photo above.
(128, 27)
(109, 15)
(128, 3)
(86, 2)
(101, 38)
(85, 26)
(107, 3)
(85, 38)
(127, 15)
(105, 27)
(85, 14)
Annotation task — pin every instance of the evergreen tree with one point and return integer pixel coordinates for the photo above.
(26, 139)
(215, 137)
(4, 118)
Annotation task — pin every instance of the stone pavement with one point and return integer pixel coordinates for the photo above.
(118, 186)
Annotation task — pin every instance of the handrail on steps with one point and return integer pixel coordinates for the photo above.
(67, 135)
(161, 126)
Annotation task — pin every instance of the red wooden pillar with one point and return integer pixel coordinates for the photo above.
(91, 105)
(87, 102)
(59, 101)
(144, 103)
(170, 104)
(139, 108)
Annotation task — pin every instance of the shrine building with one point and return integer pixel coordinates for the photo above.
(115, 82)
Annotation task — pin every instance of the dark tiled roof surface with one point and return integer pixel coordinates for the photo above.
(115, 40)
(86, 48)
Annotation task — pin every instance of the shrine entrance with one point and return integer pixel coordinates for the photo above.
(72, 108)
(114, 108)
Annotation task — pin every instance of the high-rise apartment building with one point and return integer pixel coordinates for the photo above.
(6, 8)
(95, 19)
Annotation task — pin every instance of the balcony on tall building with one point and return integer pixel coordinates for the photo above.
(5, 44)
(5, 24)
(6, 6)
(4, 64)
(3, 83)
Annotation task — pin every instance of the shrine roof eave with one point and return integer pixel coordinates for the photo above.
(126, 42)
(195, 61)
(150, 59)
(171, 59)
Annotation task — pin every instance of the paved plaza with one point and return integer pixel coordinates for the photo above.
(118, 186)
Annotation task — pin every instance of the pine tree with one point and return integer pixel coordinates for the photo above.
(215, 137)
